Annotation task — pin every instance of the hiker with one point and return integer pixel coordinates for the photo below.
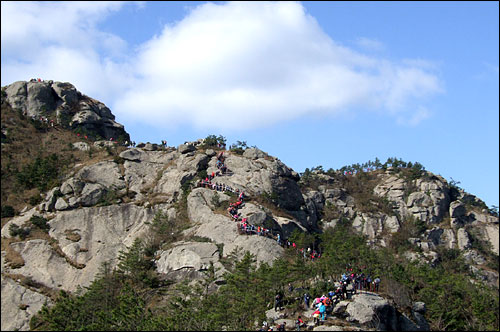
(277, 302)
(281, 327)
(369, 283)
(315, 316)
(290, 287)
(322, 311)
(299, 323)
(344, 290)
(376, 284)
(306, 300)
(331, 294)
(357, 283)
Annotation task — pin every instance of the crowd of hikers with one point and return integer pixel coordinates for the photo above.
(244, 227)
(322, 306)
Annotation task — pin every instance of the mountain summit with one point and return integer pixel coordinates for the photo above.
(62, 103)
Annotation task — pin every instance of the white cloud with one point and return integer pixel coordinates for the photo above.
(418, 115)
(264, 63)
(370, 44)
(260, 62)
(60, 41)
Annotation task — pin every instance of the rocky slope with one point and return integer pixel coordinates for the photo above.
(100, 208)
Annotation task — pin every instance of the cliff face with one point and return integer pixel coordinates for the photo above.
(101, 207)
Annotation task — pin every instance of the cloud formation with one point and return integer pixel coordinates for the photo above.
(60, 41)
(261, 62)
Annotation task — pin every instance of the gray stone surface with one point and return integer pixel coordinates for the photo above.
(185, 148)
(371, 309)
(82, 146)
(105, 173)
(190, 256)
(463, 239)
(61, 204)
(19, 304)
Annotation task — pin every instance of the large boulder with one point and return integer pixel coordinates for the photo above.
(255, 215)
(105, 173)
(189, 259)
(185, 148)
(373, 311)
(254, 153)
(17, 94)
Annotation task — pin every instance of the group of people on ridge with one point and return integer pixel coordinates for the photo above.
(324, 305)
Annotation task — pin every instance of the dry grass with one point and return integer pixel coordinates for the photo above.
(33, 285)
(72, 236)
(13, 259)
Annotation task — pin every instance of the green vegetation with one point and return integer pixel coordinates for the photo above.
(239, 147)
(413, 171)
(8, 211)
(40, 222)
(213, 141)
(42, 173)
(22, 232)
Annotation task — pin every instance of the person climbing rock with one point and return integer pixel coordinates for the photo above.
(299, 323)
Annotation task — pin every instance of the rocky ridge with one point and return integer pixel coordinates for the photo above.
(101, 208)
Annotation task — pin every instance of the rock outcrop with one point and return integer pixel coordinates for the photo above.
(372, 311)
(61, 102)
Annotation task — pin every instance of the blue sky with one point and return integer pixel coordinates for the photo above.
(312, 83)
